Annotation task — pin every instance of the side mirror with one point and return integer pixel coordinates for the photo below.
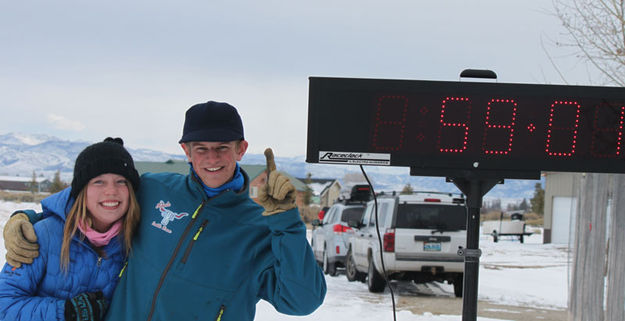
(316, 222)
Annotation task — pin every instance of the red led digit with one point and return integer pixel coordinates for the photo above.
(493, 126)
(390, 123)
(558, 135)
(453, 133)
(607, 132)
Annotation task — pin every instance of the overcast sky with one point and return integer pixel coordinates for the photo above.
(90, 69)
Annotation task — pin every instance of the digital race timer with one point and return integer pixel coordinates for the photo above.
(437, 127)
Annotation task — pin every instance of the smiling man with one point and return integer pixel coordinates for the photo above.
(204, 250)
(221, 252)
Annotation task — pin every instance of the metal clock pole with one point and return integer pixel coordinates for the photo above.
(474, 188)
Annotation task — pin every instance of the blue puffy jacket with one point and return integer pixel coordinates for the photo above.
(38, 291)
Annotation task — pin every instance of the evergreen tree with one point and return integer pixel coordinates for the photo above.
(511, 207)
(524, 206)
(538, 201)
(57, 184)
(491, 205)
(407, 189)
(496, 204)
(308, 194)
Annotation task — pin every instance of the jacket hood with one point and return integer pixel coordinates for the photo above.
(58, 204)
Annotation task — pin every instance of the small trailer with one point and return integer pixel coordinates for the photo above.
(514, 227)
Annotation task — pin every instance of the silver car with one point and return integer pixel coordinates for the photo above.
(330, 236)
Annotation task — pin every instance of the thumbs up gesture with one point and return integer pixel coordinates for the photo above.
(278, 195)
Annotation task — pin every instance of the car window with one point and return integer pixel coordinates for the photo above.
(335, 214)
(424, 216)
(383, 214)
(372, 220)
(352, 214)
(329, 215)
(367, 215)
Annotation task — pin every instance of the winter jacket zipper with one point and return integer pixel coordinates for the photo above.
(171, 260)
(221, 312)
(123, 269)
(192, 242)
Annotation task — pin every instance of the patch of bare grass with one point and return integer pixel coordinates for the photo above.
(533, 219)
(21, 197)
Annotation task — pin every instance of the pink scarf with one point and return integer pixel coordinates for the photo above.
(100, 239)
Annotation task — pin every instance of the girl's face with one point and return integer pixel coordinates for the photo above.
(107, 200)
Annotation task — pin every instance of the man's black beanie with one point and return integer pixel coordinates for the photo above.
(212, 122)
(105, 157)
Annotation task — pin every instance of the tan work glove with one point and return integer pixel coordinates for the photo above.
(20, 241)
(278, 195)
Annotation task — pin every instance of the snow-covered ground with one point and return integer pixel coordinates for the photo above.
(529, 275)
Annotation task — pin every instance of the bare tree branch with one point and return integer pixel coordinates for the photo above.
(555, 66)
(596, 32)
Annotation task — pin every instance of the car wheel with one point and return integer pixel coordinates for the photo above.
(375, 281)
(458, 286)
(328, 268)
(351, 272)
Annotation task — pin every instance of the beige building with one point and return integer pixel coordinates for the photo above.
(330, 194)
(560, 206)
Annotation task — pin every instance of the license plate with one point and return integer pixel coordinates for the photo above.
(431, 246)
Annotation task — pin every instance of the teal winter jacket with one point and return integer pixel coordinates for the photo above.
(200, 258)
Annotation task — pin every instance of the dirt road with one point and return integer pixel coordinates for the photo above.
(432, 298)
(453, 306)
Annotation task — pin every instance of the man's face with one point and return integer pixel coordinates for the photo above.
(214, 162)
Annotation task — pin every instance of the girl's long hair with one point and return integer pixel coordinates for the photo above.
(79, 212)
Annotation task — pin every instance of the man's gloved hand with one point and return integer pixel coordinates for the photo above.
(86, 307)
(278, 195)
(20, 241)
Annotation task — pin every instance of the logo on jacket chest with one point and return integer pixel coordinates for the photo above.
(168, 216)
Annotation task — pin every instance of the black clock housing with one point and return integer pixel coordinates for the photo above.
(440, 128)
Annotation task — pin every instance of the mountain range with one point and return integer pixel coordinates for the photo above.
(22, 154)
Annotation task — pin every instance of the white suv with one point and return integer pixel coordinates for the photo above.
(421, 235)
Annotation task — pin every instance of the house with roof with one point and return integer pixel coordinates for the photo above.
(326, 191)
(24, 184)
(330, 194)
(257, 175)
